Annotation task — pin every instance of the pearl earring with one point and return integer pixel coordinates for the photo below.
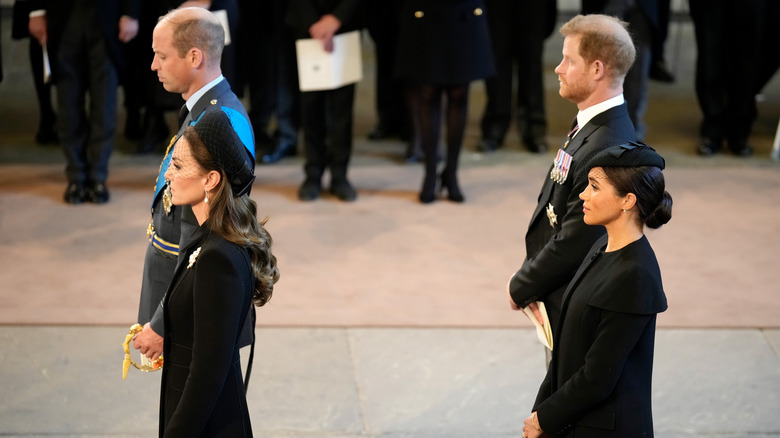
(206, 199)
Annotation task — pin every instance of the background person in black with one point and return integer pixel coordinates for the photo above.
(599, 383)
(269, 64)
(597, 53)
(47, 132)
(392, 114)
(327, 115)
(442, 47)
(225, 267)
(727, 69)
(84, 39)
(518, 29)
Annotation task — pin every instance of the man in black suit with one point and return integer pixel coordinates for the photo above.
(327, 114)
(84, 40)
(557, 238)
(195, 73)
(272, 77)
(46, 133)
(518, 29)
(728, 61)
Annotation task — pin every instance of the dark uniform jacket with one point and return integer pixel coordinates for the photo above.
(202, 392)
(553, 252)
(443, 42)
(168, 227)
(600, 379)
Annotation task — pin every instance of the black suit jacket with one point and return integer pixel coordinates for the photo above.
(301, 14)
(109, 11)
(553, 253)
(202, 392)
(599, 382)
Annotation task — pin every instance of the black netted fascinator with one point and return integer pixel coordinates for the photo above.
(633, 154)
(224, 145)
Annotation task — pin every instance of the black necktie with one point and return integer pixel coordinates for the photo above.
(183, 114)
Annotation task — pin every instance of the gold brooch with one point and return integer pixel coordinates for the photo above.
(193, 257)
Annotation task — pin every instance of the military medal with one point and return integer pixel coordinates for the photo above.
(561, 166)
(167, 204)
(551, 215)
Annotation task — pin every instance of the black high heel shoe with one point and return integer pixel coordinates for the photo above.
(428, 191)
(450, 182)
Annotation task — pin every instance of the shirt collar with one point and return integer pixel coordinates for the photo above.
(587, 114)
(198, 94)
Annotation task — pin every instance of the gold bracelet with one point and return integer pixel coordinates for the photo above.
(534, 418)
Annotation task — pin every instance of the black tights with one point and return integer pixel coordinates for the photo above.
(425, 104)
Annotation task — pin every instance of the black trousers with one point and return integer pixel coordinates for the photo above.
(271, 69)
(382, 25)
(84, 68)
(327, 126)
(517, 32)
(727, 65)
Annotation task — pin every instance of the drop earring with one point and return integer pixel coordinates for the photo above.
(206, 199)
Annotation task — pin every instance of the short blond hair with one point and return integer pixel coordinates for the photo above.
(603, 38)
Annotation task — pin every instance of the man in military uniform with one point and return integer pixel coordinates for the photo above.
(557, 239)
(194, 72)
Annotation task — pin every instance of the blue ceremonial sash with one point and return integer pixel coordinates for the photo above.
(242, 127)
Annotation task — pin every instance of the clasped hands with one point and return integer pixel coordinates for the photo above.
(149, 342)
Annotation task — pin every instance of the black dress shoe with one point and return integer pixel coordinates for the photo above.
(707, 147)
(310, 190)
(97, 193)
(342, 189)
(536, 145)
(74, 193)
(282, 149)
(741, 149)
(488, 144)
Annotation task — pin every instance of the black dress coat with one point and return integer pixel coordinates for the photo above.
(600, 379)
(202, 391)
(553, 253)
(443, 42)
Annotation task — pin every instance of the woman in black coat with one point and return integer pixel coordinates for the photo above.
(600, 379)
(224, 268)
(443, 46)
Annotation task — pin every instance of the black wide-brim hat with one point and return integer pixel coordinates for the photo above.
(217, 134)
(632, 154)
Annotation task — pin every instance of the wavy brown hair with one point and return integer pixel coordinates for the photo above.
(234, 218)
